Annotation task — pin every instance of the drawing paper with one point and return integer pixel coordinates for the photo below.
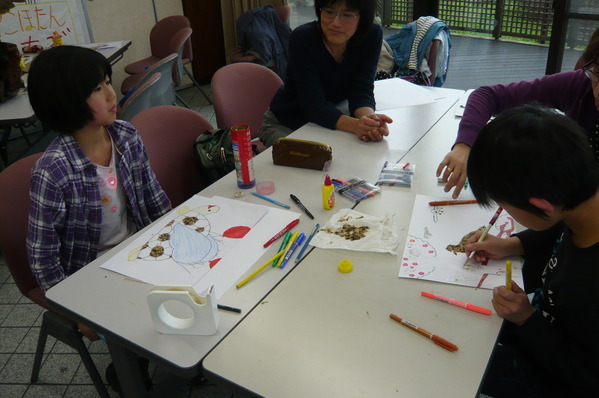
(198, 238)
(434, 245)
(386, 94)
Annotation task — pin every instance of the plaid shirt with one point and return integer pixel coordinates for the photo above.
(65, 213)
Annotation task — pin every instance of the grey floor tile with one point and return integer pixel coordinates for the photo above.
(17, 369)
(3, 360)
(45, 391)
(13, 390)
(10, 338)
(23, 315)
(101, 361)
(25, 300)
(59, 368)
(98, 347)
(40, 318)
(62, 348)
(4, 272)
(9, 294)
(29, 343)
(209, 115)
(4, 311)
(86, 391)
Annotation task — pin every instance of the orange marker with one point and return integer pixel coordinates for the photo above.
(452, 202)
(457, 303)
(436, 339)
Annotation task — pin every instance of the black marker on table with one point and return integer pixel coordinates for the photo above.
(301, 206)
(227, 308)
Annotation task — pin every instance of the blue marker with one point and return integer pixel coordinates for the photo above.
(271, 200)
(299, 256)
(298, 242)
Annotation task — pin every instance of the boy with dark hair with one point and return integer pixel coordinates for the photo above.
(538, 165)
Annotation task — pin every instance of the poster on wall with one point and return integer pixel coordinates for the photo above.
(44, 23)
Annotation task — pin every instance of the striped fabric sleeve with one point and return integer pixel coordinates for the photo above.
(46, 212)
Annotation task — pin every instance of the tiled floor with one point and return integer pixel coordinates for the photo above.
(62, 373)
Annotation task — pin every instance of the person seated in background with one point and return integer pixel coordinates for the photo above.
(537, 164)
(330, 60)
(576, 93)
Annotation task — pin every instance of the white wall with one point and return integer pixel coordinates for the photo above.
(113, 20)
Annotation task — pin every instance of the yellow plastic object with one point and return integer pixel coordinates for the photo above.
(345, 266)
(328, 194)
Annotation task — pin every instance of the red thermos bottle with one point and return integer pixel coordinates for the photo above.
(242, 151)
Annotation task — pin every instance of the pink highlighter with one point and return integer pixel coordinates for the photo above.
(457, 303)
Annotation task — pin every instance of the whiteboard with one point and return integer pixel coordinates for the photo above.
(35, 21)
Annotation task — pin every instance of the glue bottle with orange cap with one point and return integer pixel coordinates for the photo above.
(328, 193)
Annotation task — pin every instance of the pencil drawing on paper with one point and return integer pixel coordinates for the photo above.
(427, 233)
(186, 244)
(436, 211)
(188, 239)
(435, 245)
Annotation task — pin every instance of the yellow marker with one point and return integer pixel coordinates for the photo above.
(508, 275)
(250, 276)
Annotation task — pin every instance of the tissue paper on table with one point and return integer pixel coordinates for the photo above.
(352, 230)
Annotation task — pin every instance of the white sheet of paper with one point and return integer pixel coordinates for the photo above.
(195, 239)
(397, 93)
(104, 45)
(437, 230)
(243, 256)
(461, 105)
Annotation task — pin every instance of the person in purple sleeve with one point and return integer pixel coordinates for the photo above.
(331, 60)
(576, 93)
(93, 187)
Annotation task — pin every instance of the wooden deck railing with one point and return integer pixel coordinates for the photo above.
(526, 19)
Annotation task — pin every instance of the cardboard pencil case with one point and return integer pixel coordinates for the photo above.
(301, 153)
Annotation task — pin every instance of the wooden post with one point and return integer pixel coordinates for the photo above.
(555, 56)
(499, 9)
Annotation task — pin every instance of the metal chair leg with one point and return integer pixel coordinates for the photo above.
(67, 332)
(197, 85)
(39, 351)
(91, 369)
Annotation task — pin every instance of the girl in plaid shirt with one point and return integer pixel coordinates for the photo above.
(93, 187)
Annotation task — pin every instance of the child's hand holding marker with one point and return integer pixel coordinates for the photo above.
(512, 305)
(492, 247)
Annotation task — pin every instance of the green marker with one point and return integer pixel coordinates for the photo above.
(283, 245)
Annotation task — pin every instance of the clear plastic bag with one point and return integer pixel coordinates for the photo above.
(355, 189)
(397, 174)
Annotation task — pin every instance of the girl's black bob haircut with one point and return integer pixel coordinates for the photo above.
(60, 81)
(366, 8)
